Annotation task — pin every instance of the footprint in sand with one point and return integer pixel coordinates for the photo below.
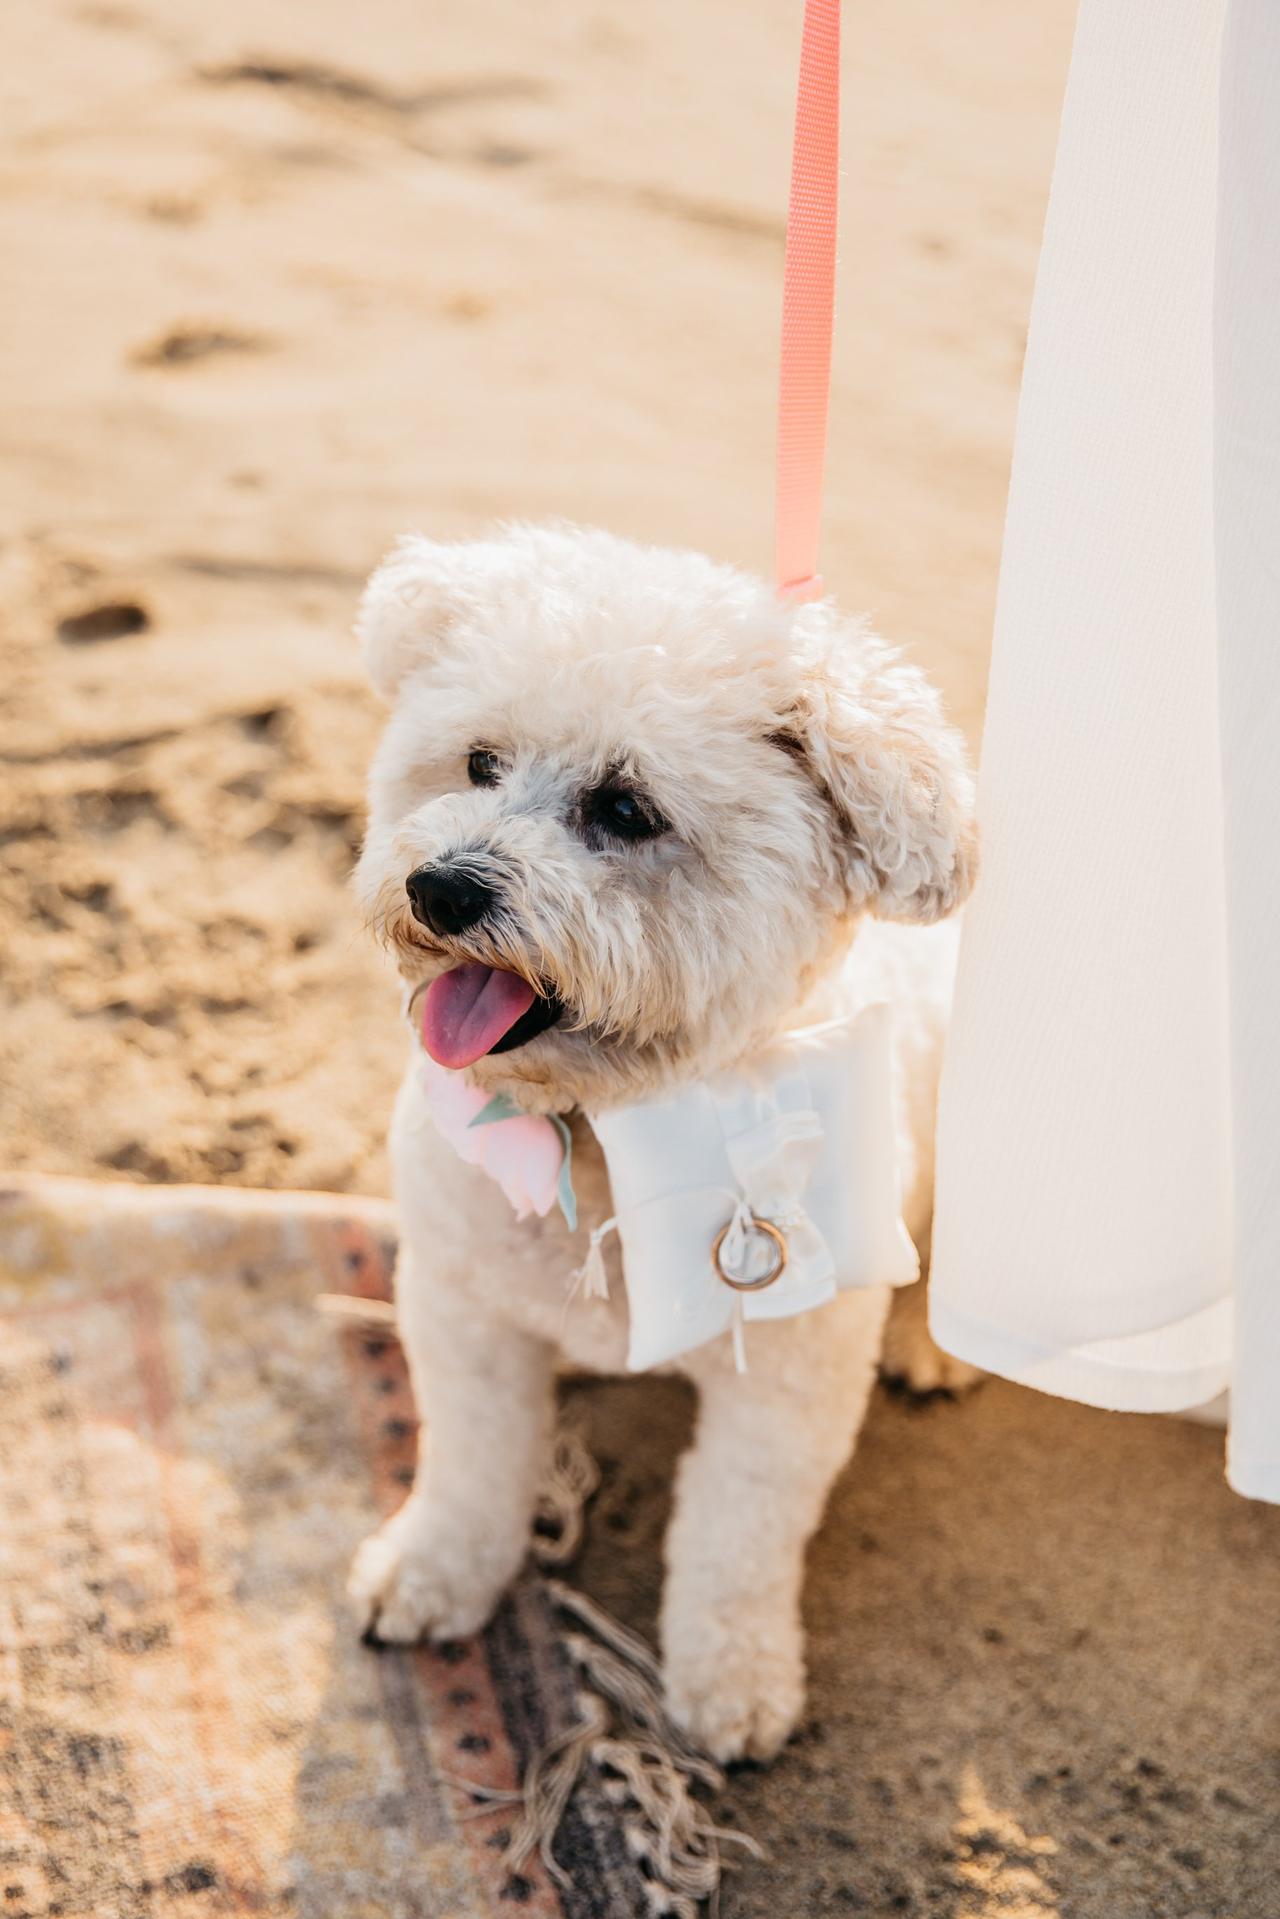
(107, 620)
(186, 344)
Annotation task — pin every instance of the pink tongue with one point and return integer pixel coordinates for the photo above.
(467, 1011)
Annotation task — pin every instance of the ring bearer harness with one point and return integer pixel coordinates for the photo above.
(756, 1194)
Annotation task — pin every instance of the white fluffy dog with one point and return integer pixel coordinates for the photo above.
(657, 802)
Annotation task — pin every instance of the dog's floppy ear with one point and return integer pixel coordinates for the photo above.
(405, 609)
(871, 731)
(420, 590)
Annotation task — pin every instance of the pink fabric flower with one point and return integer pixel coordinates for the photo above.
(525, 1154)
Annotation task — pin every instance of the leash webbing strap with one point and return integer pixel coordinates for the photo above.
(808, 303)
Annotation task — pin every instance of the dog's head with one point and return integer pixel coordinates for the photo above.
(632, 805)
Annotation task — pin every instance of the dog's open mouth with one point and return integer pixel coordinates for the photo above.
(474, 1009)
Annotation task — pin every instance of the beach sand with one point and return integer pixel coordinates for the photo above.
(286, 282)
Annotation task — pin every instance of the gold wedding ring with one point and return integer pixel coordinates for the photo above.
(779, 1266)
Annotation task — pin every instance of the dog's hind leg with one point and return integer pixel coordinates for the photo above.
(911, 1358)
(749, 1494)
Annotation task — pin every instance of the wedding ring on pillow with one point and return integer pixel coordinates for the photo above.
(767, 1230)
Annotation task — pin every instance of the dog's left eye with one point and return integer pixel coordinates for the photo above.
(483, 767)
(622, 813)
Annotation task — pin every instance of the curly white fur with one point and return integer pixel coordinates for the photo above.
(806, 779)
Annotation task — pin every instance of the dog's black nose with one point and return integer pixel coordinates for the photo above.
(449, 899)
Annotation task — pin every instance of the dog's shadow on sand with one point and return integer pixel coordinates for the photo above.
(1042, 1663)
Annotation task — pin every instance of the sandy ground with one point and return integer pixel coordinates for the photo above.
(284, 281)
(1042, 1647)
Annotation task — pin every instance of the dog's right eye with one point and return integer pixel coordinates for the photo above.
(483, 767)
(622, 814)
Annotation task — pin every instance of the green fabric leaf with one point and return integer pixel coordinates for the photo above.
(565, 1195)
(501, 1106)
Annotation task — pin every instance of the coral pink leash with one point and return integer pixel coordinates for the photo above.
(808, 304)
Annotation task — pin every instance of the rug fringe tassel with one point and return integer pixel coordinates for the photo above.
(644, 1764)
(548, 1787)
(572, 1479)
(627, 1644)
(357, 1311)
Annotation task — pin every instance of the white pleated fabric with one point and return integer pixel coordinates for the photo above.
(1108, 1213)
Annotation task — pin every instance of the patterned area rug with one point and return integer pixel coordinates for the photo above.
(189, 1453)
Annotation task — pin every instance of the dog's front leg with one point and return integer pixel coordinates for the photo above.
(484, 1395)
(749, 1494)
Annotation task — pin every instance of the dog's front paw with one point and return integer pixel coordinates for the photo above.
(407, 1582)
(743, 1702)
